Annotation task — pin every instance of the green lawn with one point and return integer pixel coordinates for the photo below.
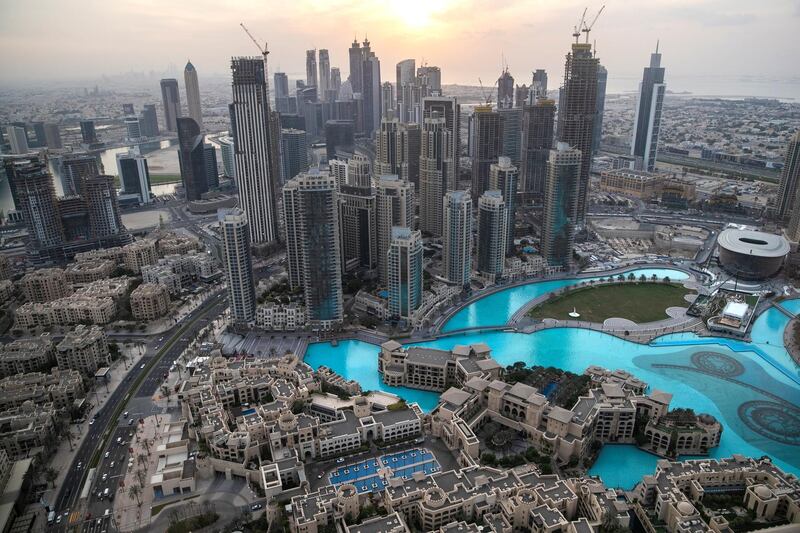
(639, 302)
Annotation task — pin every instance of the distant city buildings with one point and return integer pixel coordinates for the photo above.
(492, 235)
(457, 238)
(294, 153)
(537, 141)
(438, 171)
(505, 90)
(134, 175)
(602, 82)
(192, 159)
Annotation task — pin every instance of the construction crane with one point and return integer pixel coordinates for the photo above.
(486, 97)
(262, 49)
(576, 30)
(588, 27)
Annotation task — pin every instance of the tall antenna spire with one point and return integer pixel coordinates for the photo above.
(657, 43)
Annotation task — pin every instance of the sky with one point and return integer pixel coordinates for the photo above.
(701, 40)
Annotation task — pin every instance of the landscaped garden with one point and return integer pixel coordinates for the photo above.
(641, 301)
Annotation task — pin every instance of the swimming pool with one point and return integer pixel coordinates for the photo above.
(368, 475)
(753, 388)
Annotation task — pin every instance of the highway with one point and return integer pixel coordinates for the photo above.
(142, 381)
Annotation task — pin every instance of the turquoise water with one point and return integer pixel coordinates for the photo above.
(752, 388)
(609, 465)
(497, 309)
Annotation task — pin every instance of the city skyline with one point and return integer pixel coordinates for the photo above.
(441, 33)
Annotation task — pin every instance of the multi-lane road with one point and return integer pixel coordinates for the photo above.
(132, 395)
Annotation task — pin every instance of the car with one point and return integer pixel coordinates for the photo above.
(321, 476)
(125, 414)
(142, 367)
(119, 440)
(340, 460)
(58, 519)
(100, 496)
(256, 507)
(91, 421)
(80, 464)
(105, 477)
(111, 465)
(130, 422)
(107, 454)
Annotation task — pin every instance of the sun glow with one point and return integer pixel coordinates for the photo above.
(417, 14)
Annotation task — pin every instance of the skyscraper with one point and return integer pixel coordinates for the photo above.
(437, 172)
(134, 176)
(539, 85)
(171, 100)
(405, 74)
(192, 158)
(447, 107)
(105, 222)
(602, 80)
(294, 153)
(432, 77)
(504, 177)
(88, 132)
(41, 138)
(311, 69)
(356, 77)
(358, 171)
(226, 147)
(336, 80)
(238, 264)
(371, 89)
(387, 100)
(394, 207)
(561, 199)
(386, 157)
(457, 237)
(193, 94)
(17, 139)
(133, 129)
(313, 257)
(510, 132)
(357, 224)
(77, 167)
(405, 272)
(409, 138)
(790, 177)
(324, 75)
(491, 235)
(52, 136)
(576, 113)
(35, 196)
(537, 141)
(647, 122)
(149, 122)
(505, 90)
(339, 138)
(212, 166)
(522, 95)
(257, 150)
(486, 146)
(281, 82)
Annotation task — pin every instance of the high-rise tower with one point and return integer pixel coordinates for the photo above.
(171, 100)
(790, 177)
(313, 255)
(394, 207)
(576, 113)
(491, 235)
(503, 176)
(105, 221)
(193, 94)
(405, 272)
(134, 175)
(357, 225)
(647, 122)
(192, 158)
(486, 140)
(437, 171)
(560, 217)
(257, 151)
(505, 90)
(600, 107)
(537, 141)
(324, 75)
(457, 237)
(238, 264)
(311, 69)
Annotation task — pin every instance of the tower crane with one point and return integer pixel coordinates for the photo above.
(588, 27)
(576, 30)
(487, 97)
(262, 49)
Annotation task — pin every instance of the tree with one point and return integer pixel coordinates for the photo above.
(631, 276)
(642, 278)
(166, 391)
(133, 492)
(50, 475)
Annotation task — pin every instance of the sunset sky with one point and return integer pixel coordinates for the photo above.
(78, 40)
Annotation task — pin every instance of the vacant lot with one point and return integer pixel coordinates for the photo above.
(639, 302)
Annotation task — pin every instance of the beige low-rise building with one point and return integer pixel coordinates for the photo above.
(22, 356)
(59, 388)
(44, 285)
(26, 429)
(82, 272)
(139, 254)
(5, 267)
(149, 301)
(73, 309)
(174, 471)
(281, 317)
(177, 243)
(84, 349)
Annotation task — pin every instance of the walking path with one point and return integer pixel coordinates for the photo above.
(790, 339)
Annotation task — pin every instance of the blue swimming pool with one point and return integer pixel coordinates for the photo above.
(368, 476)
(752, 388)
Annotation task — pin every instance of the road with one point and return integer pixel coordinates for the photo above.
(160, 353)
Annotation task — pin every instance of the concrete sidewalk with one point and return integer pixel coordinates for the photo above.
(64, 455)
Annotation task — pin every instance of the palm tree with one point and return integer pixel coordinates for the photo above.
(166, 391)
(133, 492)
(50, 475)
